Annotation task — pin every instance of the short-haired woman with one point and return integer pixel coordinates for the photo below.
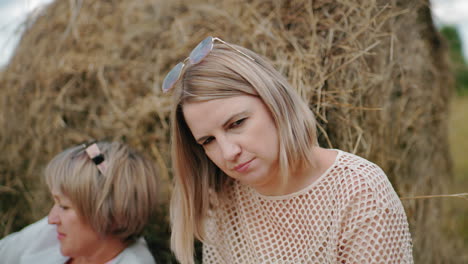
(104, 195)
(251, 181)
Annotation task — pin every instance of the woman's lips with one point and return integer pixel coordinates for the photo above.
(243, 166)
(60, 236)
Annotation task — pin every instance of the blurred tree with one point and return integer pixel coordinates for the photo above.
(460, 68)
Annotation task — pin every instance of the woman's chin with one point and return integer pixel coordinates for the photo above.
(64, 251)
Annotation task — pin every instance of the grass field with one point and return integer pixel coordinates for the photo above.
(458, 136)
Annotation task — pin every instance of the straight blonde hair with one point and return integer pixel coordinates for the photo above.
(118, 202)
(224, 73)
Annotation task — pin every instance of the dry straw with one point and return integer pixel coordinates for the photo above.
(455, 195)
(374, 72)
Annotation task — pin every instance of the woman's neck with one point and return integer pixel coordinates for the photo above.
(323, 159)
(304, 176)
(109, 249)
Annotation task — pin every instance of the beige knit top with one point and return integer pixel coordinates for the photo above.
(351, 214)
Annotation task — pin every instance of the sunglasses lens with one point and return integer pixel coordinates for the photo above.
(172, 77)
(197, 55)
(201, 50)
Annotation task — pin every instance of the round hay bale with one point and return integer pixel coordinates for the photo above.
(374, 73)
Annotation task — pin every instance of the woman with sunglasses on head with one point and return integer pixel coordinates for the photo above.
(251, 181)
(104, 195)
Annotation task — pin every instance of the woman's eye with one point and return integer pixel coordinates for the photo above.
(207, 141)
(237, 123)
(63, 207)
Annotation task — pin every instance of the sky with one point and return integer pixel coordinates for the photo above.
(453, 12)
(13, 13)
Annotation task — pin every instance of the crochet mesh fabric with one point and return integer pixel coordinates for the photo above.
(351, 214)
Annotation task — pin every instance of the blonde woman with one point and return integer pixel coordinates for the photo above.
(104, 195)
(252, 183)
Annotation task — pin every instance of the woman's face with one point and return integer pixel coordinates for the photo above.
(239, 135)
(76, 237)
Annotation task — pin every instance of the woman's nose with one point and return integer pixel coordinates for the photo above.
(230, 149)
(53, 218)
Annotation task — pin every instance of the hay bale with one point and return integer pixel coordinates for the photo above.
(373, 72)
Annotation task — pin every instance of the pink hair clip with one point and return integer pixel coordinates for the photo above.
(96, 156)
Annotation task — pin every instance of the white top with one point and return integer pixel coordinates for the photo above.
(350, 214)
(38, 244)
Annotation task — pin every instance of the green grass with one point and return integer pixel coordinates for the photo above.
(458, 138)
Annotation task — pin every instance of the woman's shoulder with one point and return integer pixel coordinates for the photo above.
(353, 161)
(40, 226)
(36, 243)
(40, 233)
(350, 163)
(136, 253)
(365, 179)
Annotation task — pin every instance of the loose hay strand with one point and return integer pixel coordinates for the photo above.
(457, 195)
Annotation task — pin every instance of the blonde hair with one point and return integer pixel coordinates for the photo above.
(118, 202)
(225, 73)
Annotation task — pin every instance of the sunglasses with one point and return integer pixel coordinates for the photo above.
(196, 56)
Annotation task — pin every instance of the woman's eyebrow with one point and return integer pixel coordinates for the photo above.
(234, 117)
(202, 139)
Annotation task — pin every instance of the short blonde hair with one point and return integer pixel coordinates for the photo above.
(118, 203)
(224, 73)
